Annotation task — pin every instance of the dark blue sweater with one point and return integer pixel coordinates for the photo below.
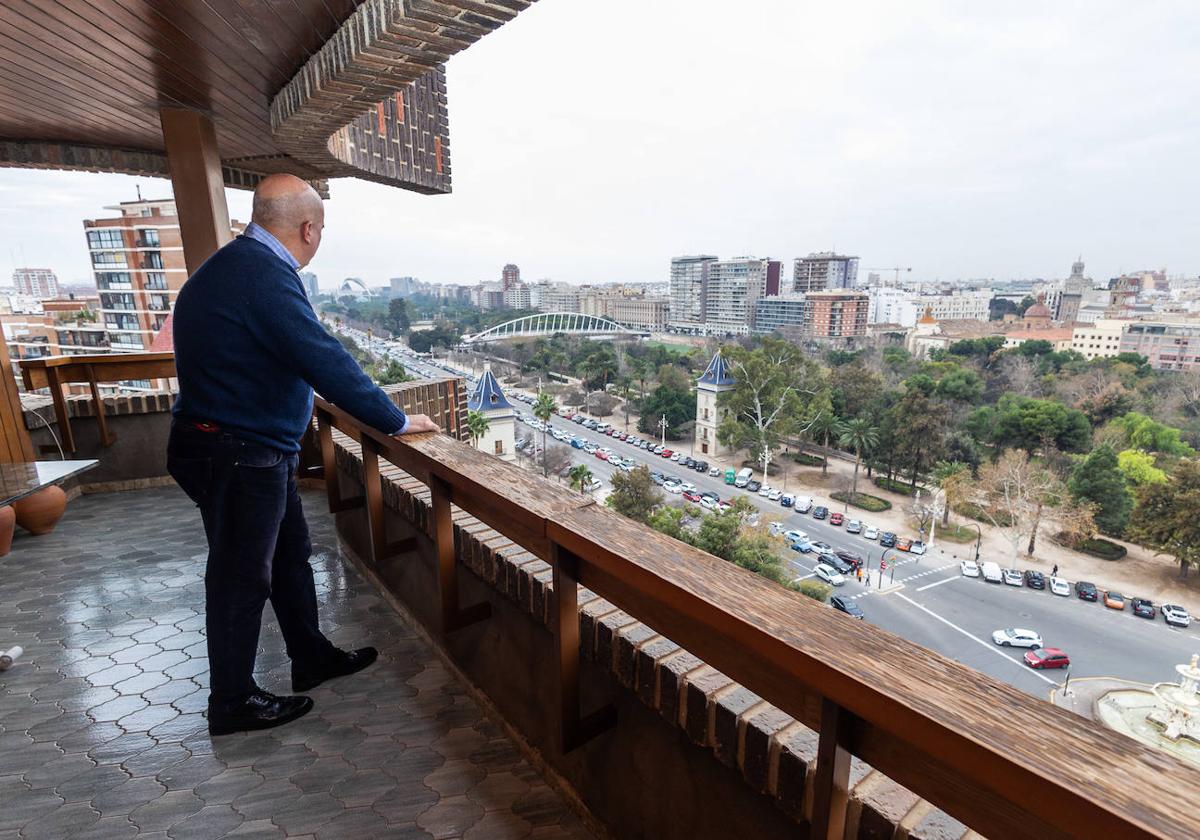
(249, 350)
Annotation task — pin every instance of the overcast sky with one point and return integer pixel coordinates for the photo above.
(594, 139)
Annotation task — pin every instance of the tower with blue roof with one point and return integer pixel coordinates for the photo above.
(715, 381)
(489, 400)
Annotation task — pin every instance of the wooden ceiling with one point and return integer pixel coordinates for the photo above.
(96, 72)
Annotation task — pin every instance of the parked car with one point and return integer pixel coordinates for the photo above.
(802, 545)
(753, 485)
(1017, 637)
(1035, 580)
(676, 456)
(991, 572)
(849, 557)
(903, 543)
(1059, 586)
(820, 512)
(849, 606)
(969, 568)
(1175, 615)
(1086, 591)
(657, 477)
(822, 547)
(803, 505)
(887, 539)
(591, 484)
(917, 547)
(870, 532)
(836, 518)
(765, 490)
(691, 496)
(835, 562)
(1013, 577)
(774, 495)
(853, 526)
(787, 500)
(829, 575)
(672, 487)
(794, 536)
(709, 503)
(700, 466)
(1114, 600)
(667, 453)
(1142, 607)
(1046, 658)
(715, 472)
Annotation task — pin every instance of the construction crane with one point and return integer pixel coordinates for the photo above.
(895, 268)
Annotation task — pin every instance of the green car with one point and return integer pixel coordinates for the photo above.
(730, 476)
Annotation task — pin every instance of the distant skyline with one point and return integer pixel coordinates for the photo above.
(592, 141)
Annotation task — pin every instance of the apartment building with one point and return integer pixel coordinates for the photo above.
(645, 312)
(558, 297)
(899, 306)
(517, 296)
(689, 278)
(1101, 340)
(1167, 346)
(35, 282)
(824, 270)
(137, 259)
(836, 315)
(782, 314)
(731, 290)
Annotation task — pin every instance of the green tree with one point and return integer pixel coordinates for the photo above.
(398, 320)
(543, 409)
(673, 397)
(1138, 468)
(1098, 479)
(580, 476)
(1148, 434)
(392, 373)
(624, 388)
(634, 494)
(962, 384)
(858, 434)
(951, 477)
(823, 426)
(669, 520)
(919, 423)
(814, 589)
(1164, 516)
(477, 426)
(1029, 424)
(775, 386)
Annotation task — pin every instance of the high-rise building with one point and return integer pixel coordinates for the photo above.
(889, 305)
(782, 313)
(510, 276)
(558, 297)
(310, 284)
(137, 258)
(644, 311)
(403, 286)
(824, 270)
(517, 297)
(836, 315)
(731, 289)
(689, 278)
(36, 282)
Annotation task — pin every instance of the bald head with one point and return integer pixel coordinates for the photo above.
(292, 211)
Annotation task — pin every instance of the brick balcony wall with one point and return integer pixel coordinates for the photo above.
(694, 754)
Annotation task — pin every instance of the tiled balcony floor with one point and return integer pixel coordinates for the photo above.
(101, 726)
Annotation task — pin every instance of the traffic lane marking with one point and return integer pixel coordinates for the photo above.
(939, 583)
(976, 639)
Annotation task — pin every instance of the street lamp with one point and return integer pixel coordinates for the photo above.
(978, 539)
(882, 560)
(662, 424)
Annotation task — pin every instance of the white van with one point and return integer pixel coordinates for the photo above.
(992, 573)
(743, 477)
(603, 428)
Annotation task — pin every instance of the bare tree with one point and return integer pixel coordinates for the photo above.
(558, 458)
(1009, 495)
(1020, 375)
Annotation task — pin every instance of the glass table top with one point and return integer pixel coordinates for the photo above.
(20, 479)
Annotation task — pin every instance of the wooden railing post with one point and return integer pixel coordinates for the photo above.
(381, 549)
(453, 616)
(333, 484)
(66, 437)
(831, 781)
(574, 728)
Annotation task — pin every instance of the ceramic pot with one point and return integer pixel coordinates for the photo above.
(39, 512)
(8, 520)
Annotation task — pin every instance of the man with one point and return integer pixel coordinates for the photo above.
(249, 351)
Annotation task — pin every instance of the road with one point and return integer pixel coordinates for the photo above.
(928, 602)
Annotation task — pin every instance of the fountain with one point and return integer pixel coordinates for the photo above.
(1165, 715)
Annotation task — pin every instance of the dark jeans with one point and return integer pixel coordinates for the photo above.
(258, 549)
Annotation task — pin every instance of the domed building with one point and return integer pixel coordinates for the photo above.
(489, 400)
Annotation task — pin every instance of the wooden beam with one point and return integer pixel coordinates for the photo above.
(15, 445)
(195, 164)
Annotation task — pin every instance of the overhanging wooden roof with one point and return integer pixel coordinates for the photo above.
(320, 88)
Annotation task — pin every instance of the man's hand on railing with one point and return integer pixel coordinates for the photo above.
(421, 423)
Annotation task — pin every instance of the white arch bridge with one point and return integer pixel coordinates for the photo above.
(552, 323)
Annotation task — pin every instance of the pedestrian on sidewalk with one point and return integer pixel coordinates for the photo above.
(1054, 571)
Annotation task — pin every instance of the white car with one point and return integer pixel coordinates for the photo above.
(626, 465)
(1017, 637)
(592, 484)
(776, 529)
(829, 574)
(1013, 577)
(676, 456)
(1060, 586)
(1175, 615)
(853, 526)
(870, 532)
(672, 487)
(794, 536)
(765, 490)
(917, 547)
(969, 568)
(715, 471)
(775, 495)
(709, 503)
(687, 485)
(803, 505)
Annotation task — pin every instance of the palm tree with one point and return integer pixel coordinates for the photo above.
(950, 476)
(624, 384)
(824, 426)
(858, 434)
(580, 475)
(543, 409)
(477, 426)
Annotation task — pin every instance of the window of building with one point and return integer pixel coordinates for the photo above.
(109, 258)
(114, 280)
(499, 447)
(156, 280)
(148, 238)
(153, 259)
(105, 238)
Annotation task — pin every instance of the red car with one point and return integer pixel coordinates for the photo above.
(1047, 658)
(835, 519)
(667, 453)
(603, 456)
(691, 496)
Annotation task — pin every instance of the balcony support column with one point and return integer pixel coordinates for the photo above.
(195, 164)
(15, 445)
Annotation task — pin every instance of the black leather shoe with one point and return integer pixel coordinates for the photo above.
(260, 710)
(342, 663)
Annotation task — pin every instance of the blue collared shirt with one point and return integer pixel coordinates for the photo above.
(261, 234)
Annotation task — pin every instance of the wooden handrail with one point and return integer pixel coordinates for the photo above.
(1005, 763)
(55, 371)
